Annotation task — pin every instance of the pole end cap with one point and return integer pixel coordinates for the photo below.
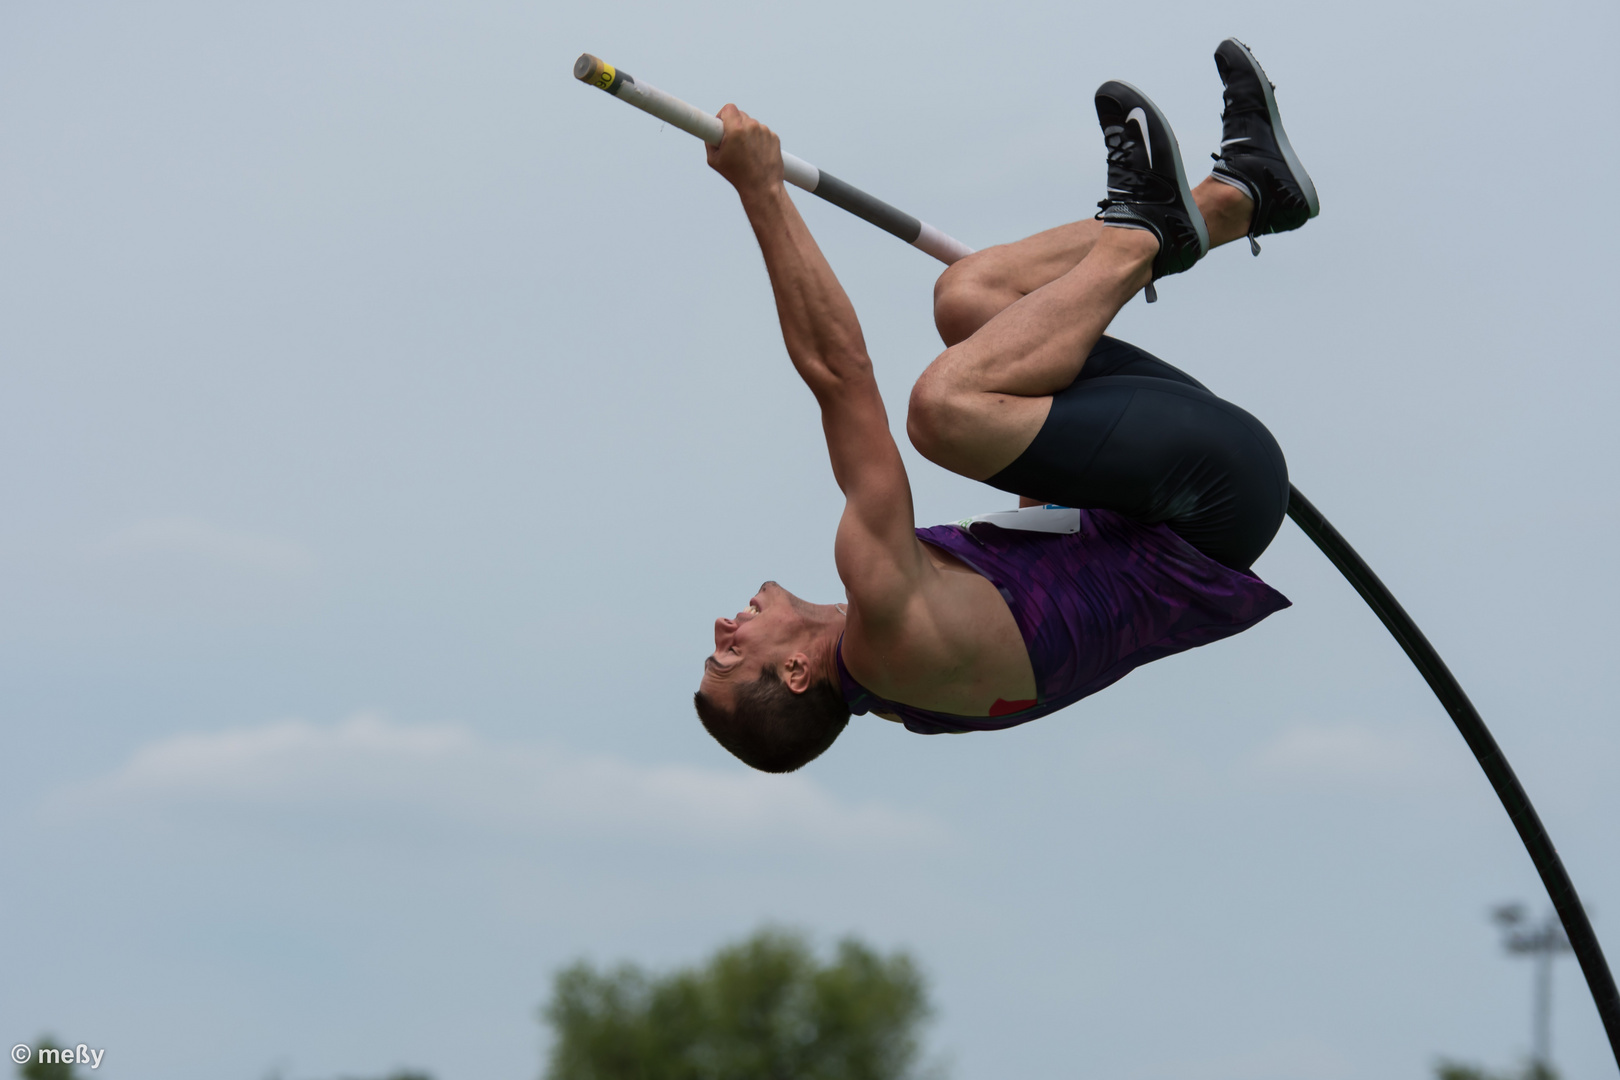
(597, 72)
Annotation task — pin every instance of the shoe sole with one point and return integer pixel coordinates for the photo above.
(1287, 148)
(1187, 200)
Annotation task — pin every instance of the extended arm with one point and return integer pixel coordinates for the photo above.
(824, 341)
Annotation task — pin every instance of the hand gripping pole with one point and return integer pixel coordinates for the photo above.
(1583, 941)
(796, 171)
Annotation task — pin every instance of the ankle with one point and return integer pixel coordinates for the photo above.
(1126, 244)
(1227, 211)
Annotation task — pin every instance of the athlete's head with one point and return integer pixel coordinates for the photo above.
(770, 690)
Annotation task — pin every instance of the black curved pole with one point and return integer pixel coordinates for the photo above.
(1474, 733)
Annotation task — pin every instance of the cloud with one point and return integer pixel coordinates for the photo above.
(369, 764)
(1353, 754)
(194, 540)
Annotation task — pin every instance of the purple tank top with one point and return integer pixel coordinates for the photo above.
(1091, 606)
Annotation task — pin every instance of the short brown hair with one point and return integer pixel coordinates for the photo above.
(770, 727)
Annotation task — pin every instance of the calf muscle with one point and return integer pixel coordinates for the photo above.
(982, 401)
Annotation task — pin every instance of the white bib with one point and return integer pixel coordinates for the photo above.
(1050, 518)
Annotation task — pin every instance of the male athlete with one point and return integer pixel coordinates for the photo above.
(992, 623)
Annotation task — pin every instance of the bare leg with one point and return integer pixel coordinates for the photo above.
(1024, 319)
(981, 402)
(973, 290)
(970, 292)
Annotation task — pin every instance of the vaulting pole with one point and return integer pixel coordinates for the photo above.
(799, 173)
(1583, 941)
(1470, 725)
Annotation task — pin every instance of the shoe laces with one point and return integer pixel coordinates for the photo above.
(1119, 144)
(1229, 101)
(1121, 152)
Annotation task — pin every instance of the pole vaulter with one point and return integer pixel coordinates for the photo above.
(1470, 725)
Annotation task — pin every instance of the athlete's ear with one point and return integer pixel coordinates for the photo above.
(796, 672)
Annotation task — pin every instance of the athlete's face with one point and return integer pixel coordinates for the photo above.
(767, 631)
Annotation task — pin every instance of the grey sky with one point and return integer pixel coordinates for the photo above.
(385, 417)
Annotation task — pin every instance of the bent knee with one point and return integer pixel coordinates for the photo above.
(966, 295)
(962, 427)
(938, 416)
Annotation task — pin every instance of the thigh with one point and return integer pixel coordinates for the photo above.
(1159, 450)
(1111, 356)
(977, 435)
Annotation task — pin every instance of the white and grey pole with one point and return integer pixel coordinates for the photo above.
(796, 171)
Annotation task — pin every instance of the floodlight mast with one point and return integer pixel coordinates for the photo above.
(1543, 941)
(1583, 941)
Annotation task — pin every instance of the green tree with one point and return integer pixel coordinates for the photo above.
(1456, 1070)
(35, 1069)
(762, 1009)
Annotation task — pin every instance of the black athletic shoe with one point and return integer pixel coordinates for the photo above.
(1255, 156)
(1147, 187)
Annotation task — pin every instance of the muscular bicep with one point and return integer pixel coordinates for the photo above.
(877, 551)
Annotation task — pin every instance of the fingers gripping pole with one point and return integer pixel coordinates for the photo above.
(796, 171)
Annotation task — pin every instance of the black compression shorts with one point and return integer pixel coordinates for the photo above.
(1136, 436)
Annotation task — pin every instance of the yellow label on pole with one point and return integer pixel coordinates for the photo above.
(604, 78)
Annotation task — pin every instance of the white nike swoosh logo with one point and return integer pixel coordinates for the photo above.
(1140, 116)
(1229, 142)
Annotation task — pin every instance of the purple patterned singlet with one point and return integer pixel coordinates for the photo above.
(1091, 606)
